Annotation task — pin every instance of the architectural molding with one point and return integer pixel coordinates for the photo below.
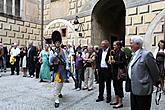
(151, 28)
(67, 23)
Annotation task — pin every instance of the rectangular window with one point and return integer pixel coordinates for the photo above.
(9, 7)
(17, 7)
(1, 6)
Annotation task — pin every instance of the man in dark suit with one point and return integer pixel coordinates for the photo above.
(143, 73)
(104, 73)
(32, 53)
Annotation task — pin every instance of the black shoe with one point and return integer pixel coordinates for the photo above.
(90, 89)
(113, 103)
(66, 81)
(118, 106)
(56, 105)
(98, 100)
(41, 80)
(60, 96)
(108, 101)
(84, 88)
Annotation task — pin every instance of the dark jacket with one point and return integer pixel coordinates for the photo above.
(32, 53)
(106, 59)
(120, 62)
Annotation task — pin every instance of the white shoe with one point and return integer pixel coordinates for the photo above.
(0, 75)
(78, 89)
(31, 76)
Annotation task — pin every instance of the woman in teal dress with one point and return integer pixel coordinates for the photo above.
(45, 69)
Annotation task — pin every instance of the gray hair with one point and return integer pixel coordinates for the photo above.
(138, 40)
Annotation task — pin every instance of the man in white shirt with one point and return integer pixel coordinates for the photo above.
(143, 73)
(104, 71)
(15, 52)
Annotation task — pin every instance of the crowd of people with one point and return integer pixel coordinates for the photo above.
(57, 63)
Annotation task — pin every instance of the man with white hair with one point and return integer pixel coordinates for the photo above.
(15, 53)
(143, 73)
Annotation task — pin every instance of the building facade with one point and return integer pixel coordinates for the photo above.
(97, 20)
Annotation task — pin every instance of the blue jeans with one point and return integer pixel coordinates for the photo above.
(78, 78)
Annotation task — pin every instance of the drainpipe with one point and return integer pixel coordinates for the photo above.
(42, 21)
(164, 28)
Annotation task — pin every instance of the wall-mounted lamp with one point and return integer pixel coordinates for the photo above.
(80, 28)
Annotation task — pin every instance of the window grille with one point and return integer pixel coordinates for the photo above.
(9, 7)
(17, 8)
(1, 6)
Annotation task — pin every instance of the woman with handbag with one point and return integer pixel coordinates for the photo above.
(118, 62)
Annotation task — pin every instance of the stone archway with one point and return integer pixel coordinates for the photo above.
(67, 23)
(151, 28)
(108, 21)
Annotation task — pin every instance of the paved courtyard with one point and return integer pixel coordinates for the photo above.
(25, 93)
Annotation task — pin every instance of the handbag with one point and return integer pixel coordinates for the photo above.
(122, 73)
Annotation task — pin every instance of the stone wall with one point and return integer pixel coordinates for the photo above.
(12, 30)
(138, 19)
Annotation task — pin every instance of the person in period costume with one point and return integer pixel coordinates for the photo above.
(14, 59)
(60, 65)
(45, 68)
(143, 73)
(104, 71)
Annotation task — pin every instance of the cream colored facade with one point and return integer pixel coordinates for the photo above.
(22, 30)
(145, 18)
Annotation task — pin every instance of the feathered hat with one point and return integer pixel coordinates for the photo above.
(56, 36)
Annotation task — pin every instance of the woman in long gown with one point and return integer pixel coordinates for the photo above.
(45, 69)
(160, 59)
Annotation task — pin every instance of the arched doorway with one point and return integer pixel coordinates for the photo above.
(67, 23)
(108, 21)
(151, 28)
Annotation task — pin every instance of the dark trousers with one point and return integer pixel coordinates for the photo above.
(31, 67)
(96, 75)
(38, 66)
(118, 87)
(140, 102)
(78, 78)
(15, 65)
(104, 77)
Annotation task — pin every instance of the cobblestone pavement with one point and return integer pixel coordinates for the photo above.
(25, 93)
